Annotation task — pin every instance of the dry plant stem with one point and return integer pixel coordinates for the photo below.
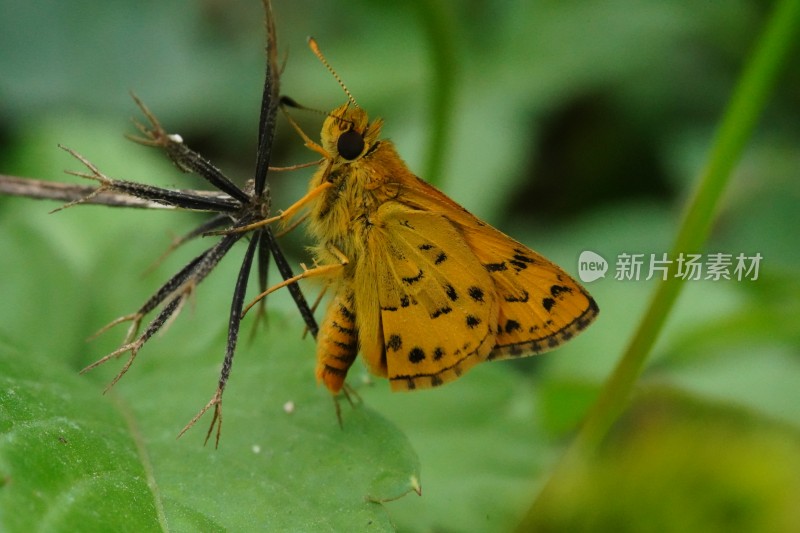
(70, 192)
(188, 272)
(269, 102)
(229, 204)
(214, 203)
(234, 321)
(205, 227)
(746, 105)
(263, 280)
(38, 189)
(178, 288)
(133, 347)
(186, 159)
(270, 243)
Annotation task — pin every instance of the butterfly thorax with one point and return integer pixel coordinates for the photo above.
(364, 172)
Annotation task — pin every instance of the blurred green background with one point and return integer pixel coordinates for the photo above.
(570, 125)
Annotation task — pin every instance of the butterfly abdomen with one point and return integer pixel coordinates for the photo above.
(337, 344)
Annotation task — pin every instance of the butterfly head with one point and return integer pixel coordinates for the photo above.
(347, 134)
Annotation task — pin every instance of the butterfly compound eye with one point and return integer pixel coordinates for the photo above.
(350, 144)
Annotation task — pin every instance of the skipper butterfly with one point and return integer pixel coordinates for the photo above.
(422, 288)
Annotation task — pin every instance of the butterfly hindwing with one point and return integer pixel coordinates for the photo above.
(437, 309)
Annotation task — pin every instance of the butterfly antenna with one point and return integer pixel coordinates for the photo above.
(312, 43)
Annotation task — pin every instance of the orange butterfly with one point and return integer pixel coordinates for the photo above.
(423, 288)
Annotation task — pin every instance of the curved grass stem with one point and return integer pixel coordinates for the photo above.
(749, 99)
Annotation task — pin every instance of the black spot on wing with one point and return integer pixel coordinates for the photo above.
(520, 260)
(472, 321)
(416, 355)
(515, 350)
(521, 298)
(441, 311)
(512, 325)
(518, 265)
(476, 293)
(548, 304)
(495, 267)
(521, 256)
(588, 315)
(451, 292)
(438, 353)
(556, 290)
(441, 258)
(394, 343)
(413, 279)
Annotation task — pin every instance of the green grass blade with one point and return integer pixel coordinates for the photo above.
(746, 105)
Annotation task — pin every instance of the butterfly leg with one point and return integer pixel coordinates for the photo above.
(349, 394)
(286, 214)
(337, 341)
(321, 270)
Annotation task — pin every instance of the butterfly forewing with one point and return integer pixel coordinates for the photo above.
(541, 306)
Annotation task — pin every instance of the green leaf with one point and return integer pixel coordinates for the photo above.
(74, 458)
(66, 461)
(481, 446)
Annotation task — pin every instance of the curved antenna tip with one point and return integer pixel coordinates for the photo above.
(312, 44)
